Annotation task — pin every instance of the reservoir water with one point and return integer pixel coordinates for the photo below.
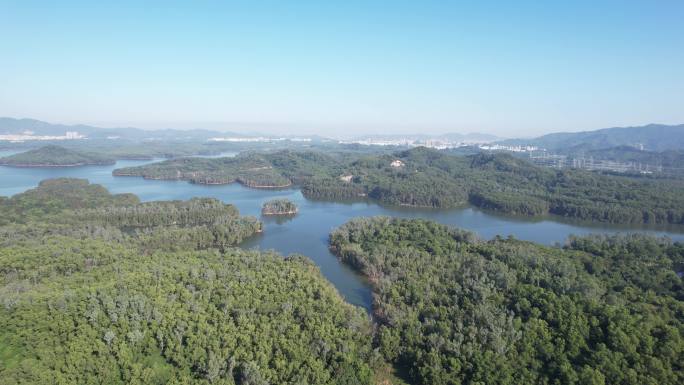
(307, 232)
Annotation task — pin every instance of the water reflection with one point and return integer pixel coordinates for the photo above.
(277, 219)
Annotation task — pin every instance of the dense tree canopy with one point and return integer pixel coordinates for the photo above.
(456, 310)
(91, 312)
(101, 289)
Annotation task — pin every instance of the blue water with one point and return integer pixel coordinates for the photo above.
(307, 232)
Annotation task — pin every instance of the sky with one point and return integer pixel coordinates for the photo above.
(509, 68)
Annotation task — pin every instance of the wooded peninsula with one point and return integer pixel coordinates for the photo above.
(453, 309)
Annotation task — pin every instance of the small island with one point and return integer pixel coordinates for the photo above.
(279, 207)
(55, 156)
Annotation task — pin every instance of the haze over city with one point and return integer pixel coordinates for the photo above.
(345, 68)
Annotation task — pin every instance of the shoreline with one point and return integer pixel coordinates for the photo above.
(575, 221)
(114, 173)
(293, 212)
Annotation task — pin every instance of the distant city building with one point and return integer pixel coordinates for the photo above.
(498, 147)
(73, 135)
(397, 163)
(259, 139)
(438, 143)
(29, 136)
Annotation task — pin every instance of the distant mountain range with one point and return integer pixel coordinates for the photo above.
(652, 137)
(11, 126)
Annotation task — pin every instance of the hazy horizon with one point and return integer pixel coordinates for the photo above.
(345, 69)
(310, 129)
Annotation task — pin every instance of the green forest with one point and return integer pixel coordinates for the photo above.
(453, 309)
(431, 178)
(74, 207)
(102, 289)
(55, 156)
(279, 207)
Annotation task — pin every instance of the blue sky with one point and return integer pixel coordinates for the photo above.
(509, 68)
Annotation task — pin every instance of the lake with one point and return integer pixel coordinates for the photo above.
(307, 232)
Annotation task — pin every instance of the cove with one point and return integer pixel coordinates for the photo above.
(307, 232)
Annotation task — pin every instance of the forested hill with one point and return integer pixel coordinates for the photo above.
(101, 289)
(456, 310)
(74, 207)
(52, 197)
(55, 156)
(251, 171)
(513, 185)
(671, 160)
(430, 178)
(653, 137)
